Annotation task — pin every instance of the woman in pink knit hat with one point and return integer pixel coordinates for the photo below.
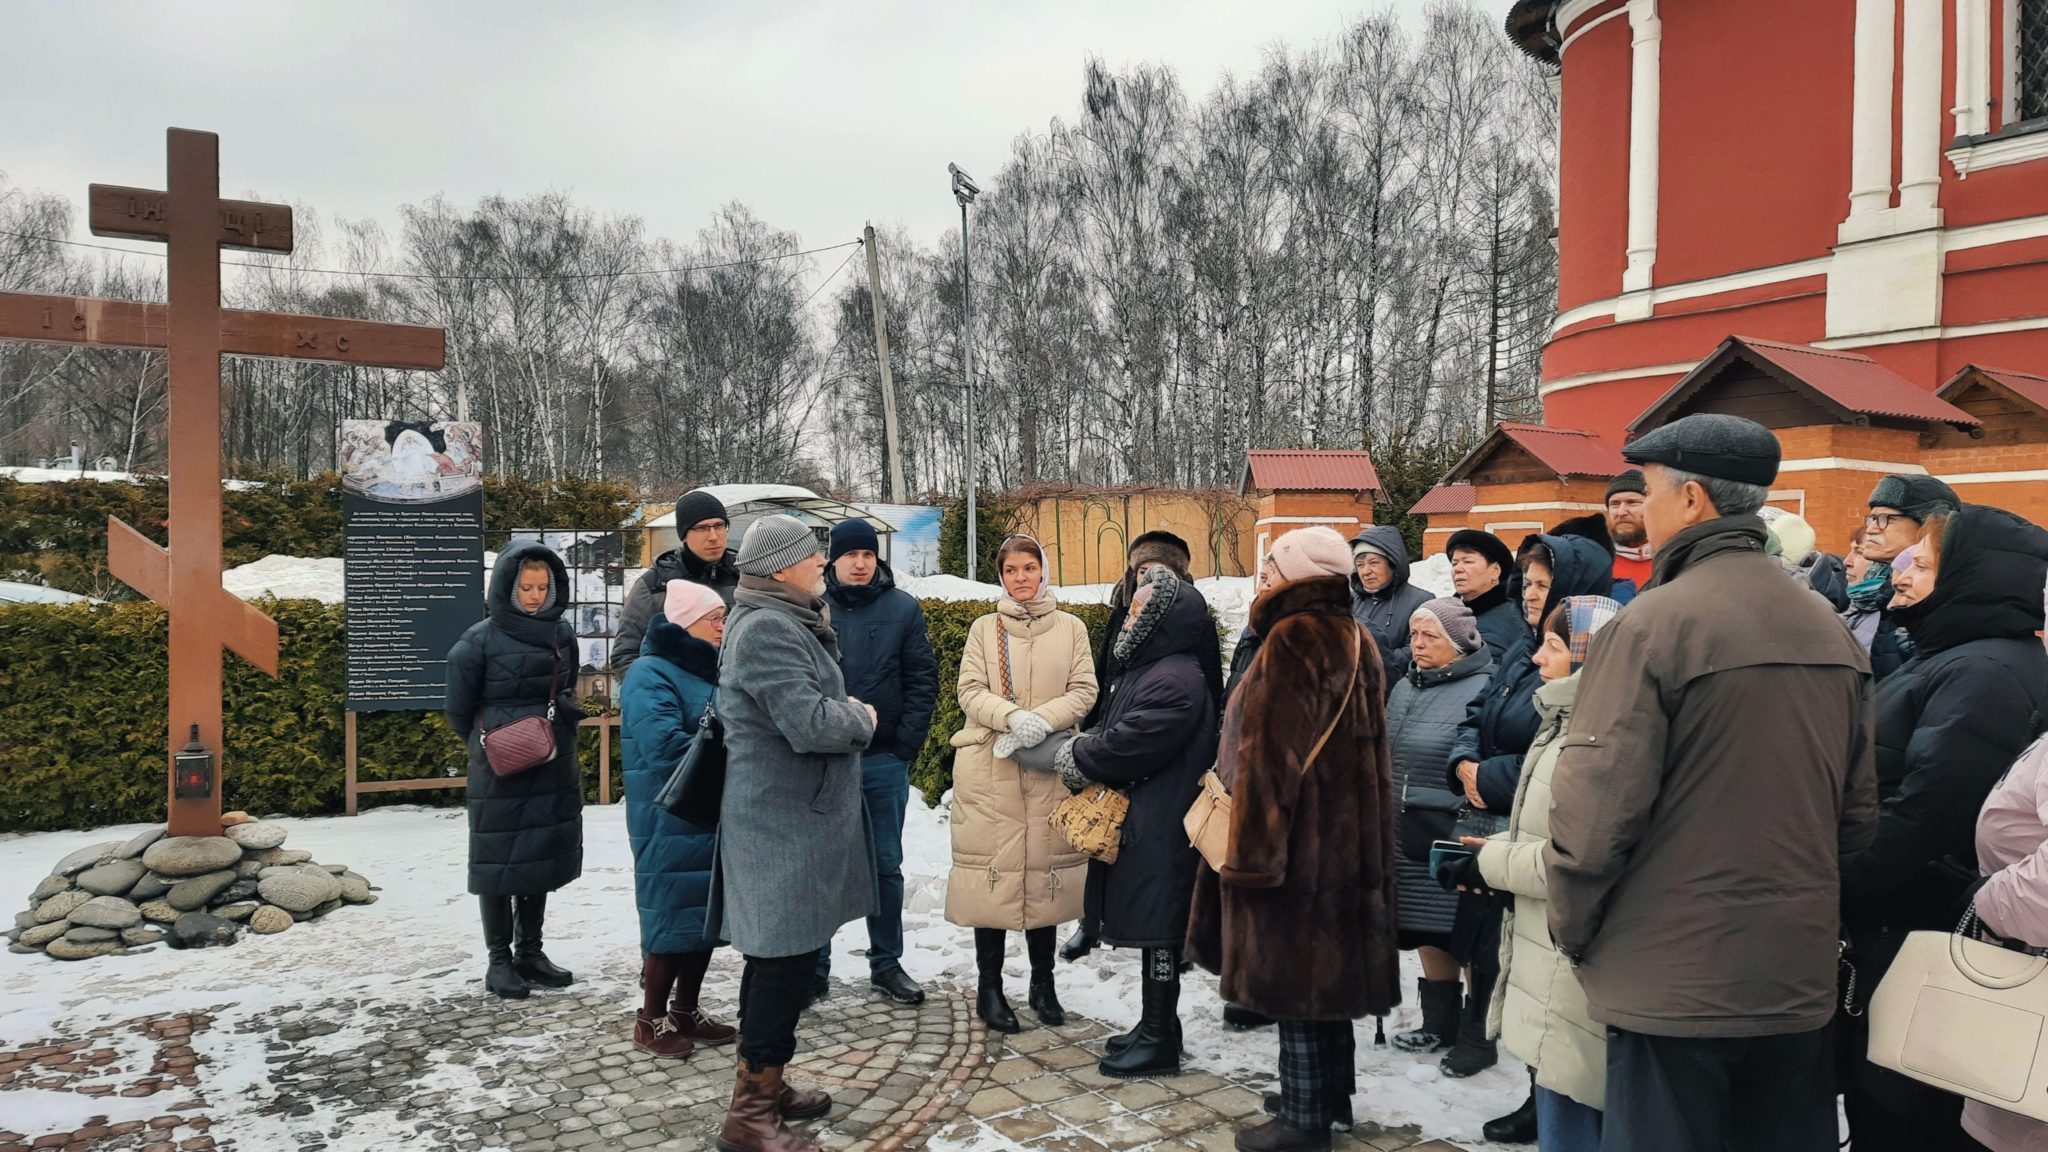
(663, 700)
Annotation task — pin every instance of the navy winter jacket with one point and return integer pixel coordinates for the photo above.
(886, 656)
(663, 700)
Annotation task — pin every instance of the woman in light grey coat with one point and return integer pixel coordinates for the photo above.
(1452, 667)
(794, 860)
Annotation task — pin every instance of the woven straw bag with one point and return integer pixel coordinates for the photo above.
(1092, 820)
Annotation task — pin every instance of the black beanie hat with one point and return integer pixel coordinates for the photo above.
(697, 507)
(855, 535)
(1629, 481)
(1919, 497)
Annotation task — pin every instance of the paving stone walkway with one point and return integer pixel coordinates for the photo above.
(559, 1071)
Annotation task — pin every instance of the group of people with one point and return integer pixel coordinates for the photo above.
(1705, 777)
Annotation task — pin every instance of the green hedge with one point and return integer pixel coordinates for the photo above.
(83, 694)
(56, 534)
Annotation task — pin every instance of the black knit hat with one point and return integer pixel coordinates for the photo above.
(697, 507)
(1711, 444)
(1629, 481)
(1919, 497)
(1484, 543)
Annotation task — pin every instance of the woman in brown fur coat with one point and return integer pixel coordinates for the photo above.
(1300, 924)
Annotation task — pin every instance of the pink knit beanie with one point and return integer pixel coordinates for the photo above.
(687, 603)
(1309, 552)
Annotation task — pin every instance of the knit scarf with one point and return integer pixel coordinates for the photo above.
(809, 609)
(1874, 591)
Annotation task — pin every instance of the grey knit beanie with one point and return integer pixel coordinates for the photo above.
(773, 543)
(1460, 626)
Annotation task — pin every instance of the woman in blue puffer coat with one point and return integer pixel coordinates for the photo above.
(666, 693)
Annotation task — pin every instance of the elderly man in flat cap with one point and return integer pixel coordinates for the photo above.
(1719, 766)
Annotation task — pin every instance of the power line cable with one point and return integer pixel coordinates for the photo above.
(438, 276)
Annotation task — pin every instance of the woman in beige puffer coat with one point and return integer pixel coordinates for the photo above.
(1026, 674)
(1539, 1010)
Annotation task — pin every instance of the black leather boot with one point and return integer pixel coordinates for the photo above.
(989, 1002)
(1474, 1052)
(1517, 1127)
(1045, 1002)
(1442, 1001)
(1081, 943)
(502, 979)
(532, 963)
(1154, 1049)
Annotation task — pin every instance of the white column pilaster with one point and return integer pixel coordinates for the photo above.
(1645, 89)
(1920, 112)
(1870, 159)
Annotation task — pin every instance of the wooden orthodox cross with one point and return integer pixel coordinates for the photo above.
(194, 223)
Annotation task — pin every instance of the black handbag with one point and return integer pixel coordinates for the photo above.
(1427, 815)
(695, 789)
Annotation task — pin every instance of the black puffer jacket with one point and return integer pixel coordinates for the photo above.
(1248, 644)
(1499, 616)
(1386, 611)
(644, 596)
(1500, 726)
(1423, 715)
(525, 831)
(1156, 738)
(1950, 721)
(886, 654)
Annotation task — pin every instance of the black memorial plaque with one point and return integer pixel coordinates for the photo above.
(413, 507)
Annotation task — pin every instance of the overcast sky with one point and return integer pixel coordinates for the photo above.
(819, 115)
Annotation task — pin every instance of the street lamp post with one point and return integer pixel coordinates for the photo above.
(964, 191)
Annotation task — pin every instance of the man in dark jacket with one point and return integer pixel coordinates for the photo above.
(1381, 597)
(1899, 507)
(1718, 771)
(887, 658)
(702, 523)
(1480, 568)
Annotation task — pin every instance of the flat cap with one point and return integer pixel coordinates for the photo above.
(1711, 444)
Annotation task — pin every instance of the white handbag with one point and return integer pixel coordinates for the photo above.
(1967, 1017)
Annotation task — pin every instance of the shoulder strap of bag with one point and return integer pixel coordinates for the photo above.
(1351, 685)
(554, 677)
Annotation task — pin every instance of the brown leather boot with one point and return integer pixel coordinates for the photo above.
(753, 1122)
(803, 1103)
(701, 1029)
(657, 1036)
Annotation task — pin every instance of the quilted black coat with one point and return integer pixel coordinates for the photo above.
(525, 831)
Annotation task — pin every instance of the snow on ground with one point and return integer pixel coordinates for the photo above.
(287, 578)
(421, 942)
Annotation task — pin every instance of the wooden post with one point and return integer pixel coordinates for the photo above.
(888, 378)
(604, 762)
(348, 759)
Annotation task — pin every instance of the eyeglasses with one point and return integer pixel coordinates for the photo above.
(1882, 520)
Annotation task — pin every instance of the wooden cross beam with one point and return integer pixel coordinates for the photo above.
(195, 224)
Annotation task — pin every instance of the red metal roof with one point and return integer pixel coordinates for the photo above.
(1856, 382)
(1456, 497)
(1566, 451)
(1305, 470)
(2029, 387)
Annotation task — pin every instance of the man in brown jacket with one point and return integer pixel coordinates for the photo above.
(1718, 769)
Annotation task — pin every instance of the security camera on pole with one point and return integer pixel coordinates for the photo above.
(965, 190)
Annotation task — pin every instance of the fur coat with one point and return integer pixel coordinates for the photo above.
(1301, 923)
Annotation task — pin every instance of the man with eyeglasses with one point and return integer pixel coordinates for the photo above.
(1899, 505)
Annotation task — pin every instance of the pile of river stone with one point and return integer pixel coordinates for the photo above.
(123, 897)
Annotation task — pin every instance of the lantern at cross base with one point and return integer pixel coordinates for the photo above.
(192, 769)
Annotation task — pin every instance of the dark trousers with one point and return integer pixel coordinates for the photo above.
(1720, 1094)
(773, 993)
(1317, 1069)
(885, 793)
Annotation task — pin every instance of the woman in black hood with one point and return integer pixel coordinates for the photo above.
(1950, 721)
(526, 829)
